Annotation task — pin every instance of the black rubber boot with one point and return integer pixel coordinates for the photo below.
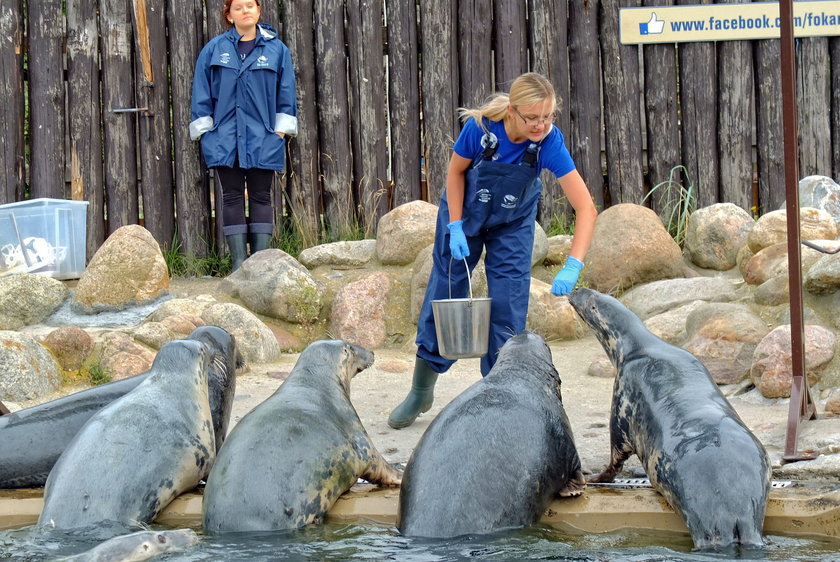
(419, 399)
(238, 250)
(259, 241)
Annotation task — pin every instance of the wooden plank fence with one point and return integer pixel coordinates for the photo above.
(96, 103)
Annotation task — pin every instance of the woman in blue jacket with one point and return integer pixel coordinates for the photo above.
(490, 203)
(243, 106)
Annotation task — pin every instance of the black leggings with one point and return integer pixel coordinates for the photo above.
(233, 181)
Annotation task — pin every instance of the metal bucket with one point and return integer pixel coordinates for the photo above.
(462, 325)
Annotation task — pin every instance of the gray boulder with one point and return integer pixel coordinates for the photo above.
(358, 311)
(772, 364)
(660, 296)
(771, 228)
(28, 298)
(670, 325)
(550, 316)
(630, 246)
(723, 336)
(406, 230)
(256, 342)
(128, 269)
(353, 253)
(27, 370)
(273, 283)
(820, 192)
(715, 234)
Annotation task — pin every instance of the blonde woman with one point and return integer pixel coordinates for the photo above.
(492, 191)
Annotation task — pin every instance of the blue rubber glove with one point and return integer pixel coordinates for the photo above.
(566, 278)
(457, 240)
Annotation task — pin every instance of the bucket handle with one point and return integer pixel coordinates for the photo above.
(469, 281)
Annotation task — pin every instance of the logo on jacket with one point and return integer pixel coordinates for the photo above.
(509, 201)
(224, 58)
(483, 195)
(262, 60)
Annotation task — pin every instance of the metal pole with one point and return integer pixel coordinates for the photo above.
(801, 405)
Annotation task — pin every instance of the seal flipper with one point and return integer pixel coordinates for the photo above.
(574, 487)
(379, 471)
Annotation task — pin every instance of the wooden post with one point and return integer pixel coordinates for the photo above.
(439, 84)
(584, 137)
(302, 169)
(46, 99)
(663, 126)
(192, 189)
(11, 110)
(83, 116)
(769, 133)
(622, 118)
(698, 97)
(118, 93)
(154, 126)
(736, 109)
(333, 116)
(550, 57)
(813, 96)
(368, 128)
(511, 45)
(404, 101)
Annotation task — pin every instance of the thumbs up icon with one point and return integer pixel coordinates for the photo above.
(653, 26)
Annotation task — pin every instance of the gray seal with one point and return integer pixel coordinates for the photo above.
(289, 459)
(668, 411)
(32, 439)
(142, 545)
(497, 455)
(141, 451)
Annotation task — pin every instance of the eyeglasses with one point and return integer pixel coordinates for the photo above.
(531, 121)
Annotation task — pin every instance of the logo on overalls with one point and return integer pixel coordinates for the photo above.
(509, 201)
(262, 60)
(483, 195)
(224, 58)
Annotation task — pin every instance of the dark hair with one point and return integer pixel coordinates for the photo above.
(226, 11)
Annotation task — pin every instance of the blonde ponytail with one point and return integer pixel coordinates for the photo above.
(527, 89)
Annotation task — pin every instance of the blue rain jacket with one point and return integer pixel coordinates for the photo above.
(238, 106)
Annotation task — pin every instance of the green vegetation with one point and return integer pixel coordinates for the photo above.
(96, 373)
(180, 264)
(675, 201)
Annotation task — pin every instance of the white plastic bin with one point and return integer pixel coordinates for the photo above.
(44, 236)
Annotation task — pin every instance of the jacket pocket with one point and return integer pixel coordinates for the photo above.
(272, 152)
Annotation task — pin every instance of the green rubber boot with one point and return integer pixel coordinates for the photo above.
(259, 241)
(419, 399)
(238, 250)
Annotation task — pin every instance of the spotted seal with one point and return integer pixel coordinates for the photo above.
(32, 439)
(287, 461)
(142, 545)
(141, 451)
(497, 454)
(668, 411)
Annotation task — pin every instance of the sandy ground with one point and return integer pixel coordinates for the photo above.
(587, 400)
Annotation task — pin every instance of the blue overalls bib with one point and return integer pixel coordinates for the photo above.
(500, 208)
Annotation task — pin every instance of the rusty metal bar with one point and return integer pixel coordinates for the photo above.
(801, 405)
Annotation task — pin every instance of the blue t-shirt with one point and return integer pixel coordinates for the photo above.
(554, 155)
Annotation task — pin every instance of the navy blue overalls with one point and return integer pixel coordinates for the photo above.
(500, 208)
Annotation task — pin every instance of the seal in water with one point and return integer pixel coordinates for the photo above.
(141, 451)
(668, 411)
(495, 456)
(31, 440)
(287, 461)
(142, 545)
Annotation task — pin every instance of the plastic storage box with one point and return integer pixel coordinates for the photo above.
(45, 236)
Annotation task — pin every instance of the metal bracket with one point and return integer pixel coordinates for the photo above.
(147, 114)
